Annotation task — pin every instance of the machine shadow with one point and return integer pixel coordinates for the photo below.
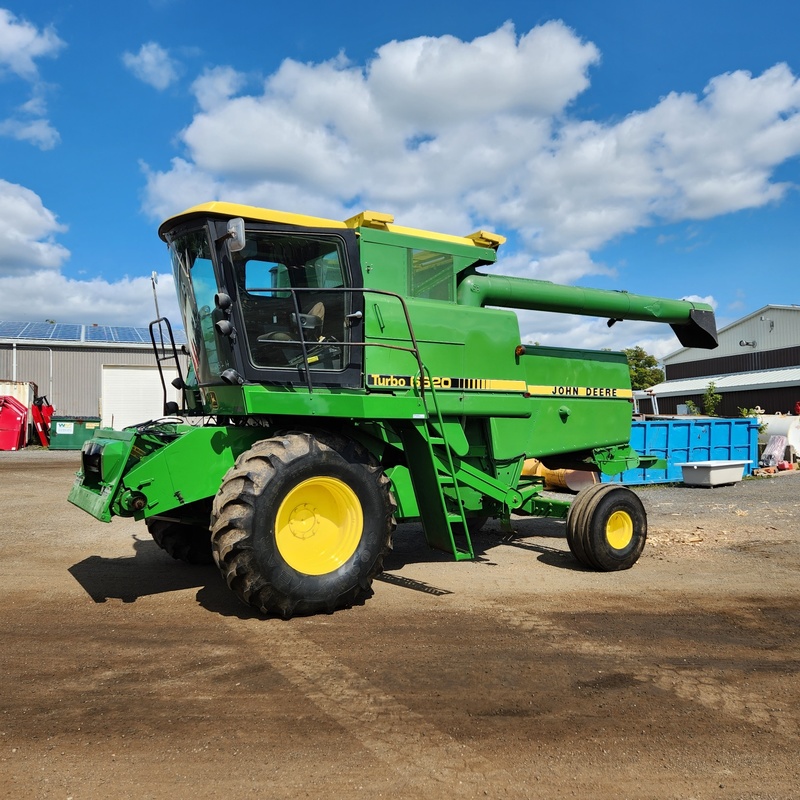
(528, 529)
(150, 571)
(410, 546)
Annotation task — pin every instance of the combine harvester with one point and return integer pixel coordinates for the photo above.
(349, 375)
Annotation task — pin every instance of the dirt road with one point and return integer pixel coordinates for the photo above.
(129, 675)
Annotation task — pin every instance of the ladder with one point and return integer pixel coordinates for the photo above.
(435, 477)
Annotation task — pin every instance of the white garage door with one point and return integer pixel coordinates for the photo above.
(133, 394)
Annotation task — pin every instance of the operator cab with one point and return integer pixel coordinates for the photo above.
(277, 320)
(267, 301)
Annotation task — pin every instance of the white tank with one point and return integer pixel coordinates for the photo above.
(781, 425)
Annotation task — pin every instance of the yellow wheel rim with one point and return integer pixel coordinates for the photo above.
(318, 525)
(619, 530)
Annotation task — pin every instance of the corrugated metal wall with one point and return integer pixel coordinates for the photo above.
(779, 400)
(771, 328)
(727, 365)
(76, 372)
(766, 339)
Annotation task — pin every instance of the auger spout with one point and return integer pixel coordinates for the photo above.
(693, 323)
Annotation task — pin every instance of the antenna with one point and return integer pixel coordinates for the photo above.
(154, 281)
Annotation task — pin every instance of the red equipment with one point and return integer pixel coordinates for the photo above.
(42, 413)
(13, 423)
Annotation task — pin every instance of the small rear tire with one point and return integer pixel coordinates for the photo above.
(607, 527)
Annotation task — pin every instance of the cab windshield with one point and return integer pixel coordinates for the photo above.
(196, 283)
(291, 294)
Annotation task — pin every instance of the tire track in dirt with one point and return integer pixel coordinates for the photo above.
(422, 756)
(713, 691)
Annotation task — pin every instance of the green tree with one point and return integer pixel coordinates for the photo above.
(710, 402)
(644, 368)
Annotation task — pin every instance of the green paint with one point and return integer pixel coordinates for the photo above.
(410, 358)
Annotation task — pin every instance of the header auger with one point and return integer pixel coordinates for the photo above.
(351, 375)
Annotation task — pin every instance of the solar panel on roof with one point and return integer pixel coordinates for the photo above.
(37, 330)
(66, 332)
(96, 333)
(11, 330)
(125, 334)
(73, 332)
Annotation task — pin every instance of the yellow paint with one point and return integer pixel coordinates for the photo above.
(234, 210)
(318, 525)
(370, 219)
(619, 530)
(442, 237)
(487, 239)
(444, 382)
(592, 392)
(503, 386)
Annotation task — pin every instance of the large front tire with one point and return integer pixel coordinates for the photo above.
(302, 523)
(188, 543)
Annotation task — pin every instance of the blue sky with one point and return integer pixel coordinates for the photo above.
(644, 146)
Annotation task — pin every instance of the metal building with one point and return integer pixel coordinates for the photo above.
(757, 363)
(86, 370)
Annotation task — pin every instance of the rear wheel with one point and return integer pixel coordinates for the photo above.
(188, 543)
(302, 523)
(576, 520)
(607, 527)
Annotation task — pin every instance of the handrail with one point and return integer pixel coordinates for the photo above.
(414, 349)
(166, 357)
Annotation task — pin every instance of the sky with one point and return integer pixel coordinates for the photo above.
(632, 145)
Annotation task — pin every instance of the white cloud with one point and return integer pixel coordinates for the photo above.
(27, 236)
(128, 301)
(179, 188)
(153, 65)
(38, 132)
(21, 43)
(568, 330)
(435, 83)
(456, 135)
(569, 265)
(30, 268)
(335, 136)
(696, 298)
(217, 85)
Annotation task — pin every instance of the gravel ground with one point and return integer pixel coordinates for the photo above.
(519, 675)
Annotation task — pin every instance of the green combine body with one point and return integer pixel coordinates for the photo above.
(345, 376)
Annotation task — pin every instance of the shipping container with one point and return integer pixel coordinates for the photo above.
(686, 439)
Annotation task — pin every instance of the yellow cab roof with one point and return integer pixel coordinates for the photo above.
(368, 219)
